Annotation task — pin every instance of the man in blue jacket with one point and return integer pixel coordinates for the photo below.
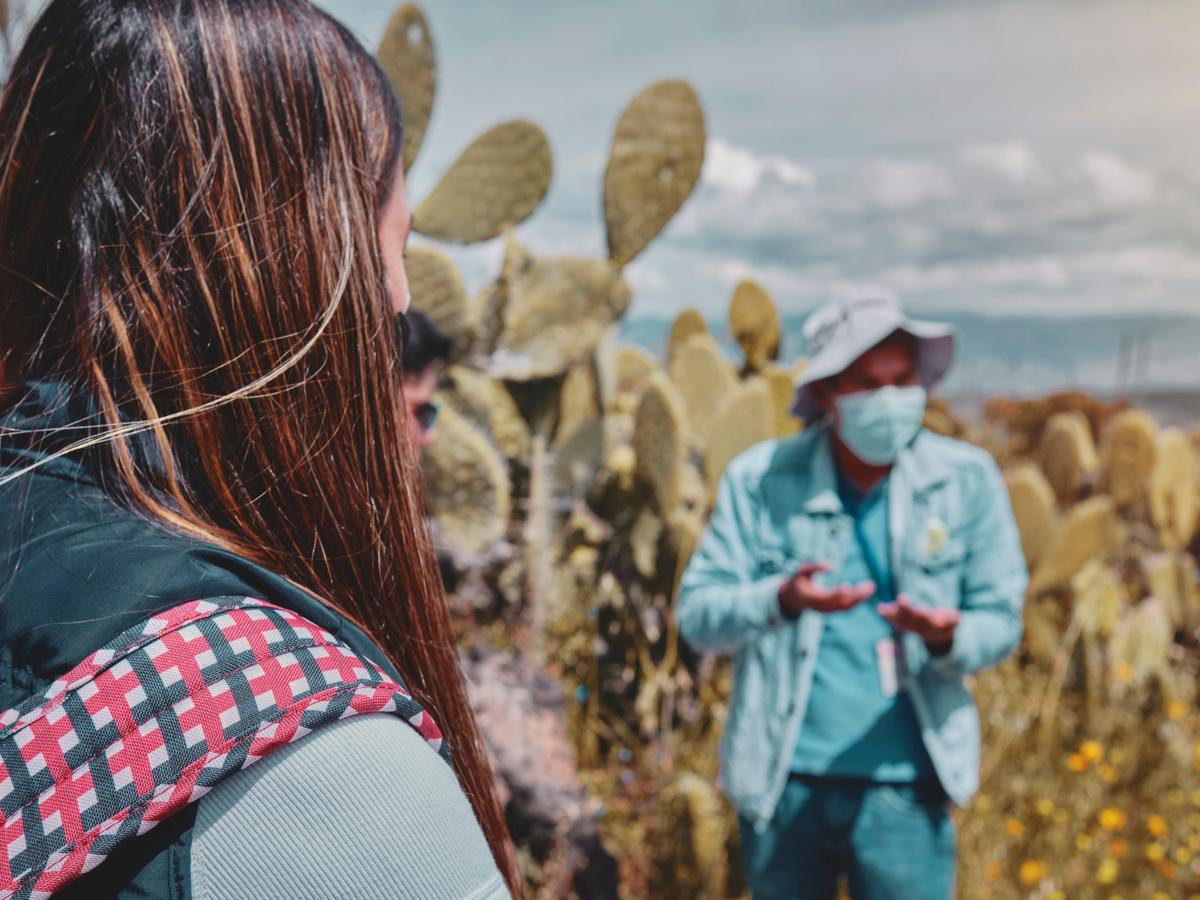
(857, 572)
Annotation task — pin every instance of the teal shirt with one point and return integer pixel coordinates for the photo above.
(852, 728)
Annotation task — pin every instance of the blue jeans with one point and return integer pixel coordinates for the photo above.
(890, 842)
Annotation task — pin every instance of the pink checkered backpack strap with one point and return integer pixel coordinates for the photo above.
(148, 724)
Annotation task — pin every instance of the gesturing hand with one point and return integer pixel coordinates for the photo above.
(935, 624)
(800, 592)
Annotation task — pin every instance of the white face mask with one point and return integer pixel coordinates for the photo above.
(877, 425)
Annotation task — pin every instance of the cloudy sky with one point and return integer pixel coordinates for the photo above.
(1019, 158)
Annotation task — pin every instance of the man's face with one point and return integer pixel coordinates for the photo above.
(418, 398)
(891, 364)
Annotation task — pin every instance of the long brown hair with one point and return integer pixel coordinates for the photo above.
(189, 197)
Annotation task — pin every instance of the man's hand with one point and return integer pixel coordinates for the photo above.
(800, 592)
(935, 624)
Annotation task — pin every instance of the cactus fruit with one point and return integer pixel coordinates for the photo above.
(783, 396)
(497, 182)
(489, 405)
(704, 379)
(469, 490)
(1088, 531)
(754, 324)
(1069, 455)
(1130, 446)
(556, 313)
(657, 153)
(437, 290)
(1033, 507)
(1174, 490)
(658, 442)
(746, 418)
(1099, 598)
(406, 56)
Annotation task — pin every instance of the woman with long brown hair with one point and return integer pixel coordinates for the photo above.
(210, 523)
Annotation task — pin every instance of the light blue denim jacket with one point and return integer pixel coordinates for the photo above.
(954, 543)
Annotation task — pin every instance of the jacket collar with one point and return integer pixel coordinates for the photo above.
(919, 467)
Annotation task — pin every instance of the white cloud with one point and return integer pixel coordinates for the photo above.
(1014, 161)
(1116, 181)
(741, 171)
(906, 183)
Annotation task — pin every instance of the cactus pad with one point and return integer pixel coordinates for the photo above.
(406, 55)
(469, 490)
(437, 290)
(635, 367)
(1088, 531)
(1069, 455)
(1174, 490)
(1099, 598)
(704, 379)
(497, 182)
(746, 418)
(783, 396)
(488, 404)
(1130, 446)
(577, 401)
(578, 459)
(657, 154)
(556, 313)
(658, 442)
(686, 324)
(754, 324)
(1033, 506)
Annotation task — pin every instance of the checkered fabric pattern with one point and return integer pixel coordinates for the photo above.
(151, 722)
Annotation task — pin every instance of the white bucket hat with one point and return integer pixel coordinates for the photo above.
(842, 330)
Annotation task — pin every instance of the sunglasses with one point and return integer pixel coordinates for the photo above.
(427, 415)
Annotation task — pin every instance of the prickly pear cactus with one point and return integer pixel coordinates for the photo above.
(556, 312)
(1141, 643)
(783, 396)
(1099, 598)
(578, 459)
(436, 288)
(490, 406)
(704, 378)
(1130, 447)
(746, 417)
(1034, 508)
(578, 402)
(754, 324)
(657, 153)
(406, 55)
(1174, 490)
(469, 491)
(635, 367)
(658, 442)
(1069, 454)
(498, 181)
(1088, 531)
(1171, 577)
(686, 324)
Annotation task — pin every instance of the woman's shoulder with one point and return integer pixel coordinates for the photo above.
(361, 808)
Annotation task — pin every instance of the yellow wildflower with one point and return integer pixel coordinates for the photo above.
(1014, 827)
(1176, 710)
(1108, 871)
(1182, 855)
(1124, 672)
(1157, 825)
(1056, 895)
(1156, 852)
(1076, 763)
(1045, 807)
(1117, 849)
(1112, 819)
(993, 871)
(1032, 872)
(983, 803)
(1083, 841)
(1092, 751)
(1107, 773)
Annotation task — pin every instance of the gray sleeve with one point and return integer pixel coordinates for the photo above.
(360, 809)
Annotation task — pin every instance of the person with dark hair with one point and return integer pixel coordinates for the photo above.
(228, 663)
(425, 353)
(859, 572)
